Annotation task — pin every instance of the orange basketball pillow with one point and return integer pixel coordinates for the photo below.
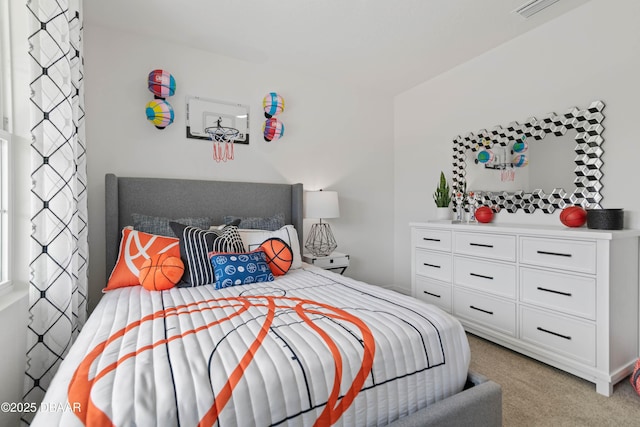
(135, 248)
(279, 255)
(161, 272)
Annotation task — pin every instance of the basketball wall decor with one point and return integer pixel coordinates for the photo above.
(573, 216)
(279, 255)
(160, 113)
(163, 85)
(161, 272)
(272, 128)
(272, 104)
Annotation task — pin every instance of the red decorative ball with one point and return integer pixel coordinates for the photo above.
(484, 214)
(573, 216)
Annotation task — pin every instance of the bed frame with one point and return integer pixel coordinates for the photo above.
(180, 198)
(479, 404)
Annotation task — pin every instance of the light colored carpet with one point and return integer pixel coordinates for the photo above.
(535, 394)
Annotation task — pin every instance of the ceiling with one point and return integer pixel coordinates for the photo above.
(383, 44)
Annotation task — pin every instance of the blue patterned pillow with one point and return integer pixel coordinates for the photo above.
(241, 269)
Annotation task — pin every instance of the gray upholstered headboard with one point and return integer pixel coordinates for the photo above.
(181, 198)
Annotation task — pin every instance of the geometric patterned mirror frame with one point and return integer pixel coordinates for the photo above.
(588, 162)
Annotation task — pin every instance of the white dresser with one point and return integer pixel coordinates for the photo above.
(566, 297)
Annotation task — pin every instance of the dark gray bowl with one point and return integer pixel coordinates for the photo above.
(605, 219)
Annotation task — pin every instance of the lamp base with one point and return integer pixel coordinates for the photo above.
(320, 241)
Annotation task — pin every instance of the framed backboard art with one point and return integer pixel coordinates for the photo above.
(205, 114)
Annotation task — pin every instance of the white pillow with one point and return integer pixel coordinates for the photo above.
(254, 238)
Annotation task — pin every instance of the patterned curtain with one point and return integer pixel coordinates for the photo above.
(59, 248)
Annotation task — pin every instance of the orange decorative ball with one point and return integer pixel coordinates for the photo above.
(160, 272)
(279, 255)
(573, 216)
(484, 214)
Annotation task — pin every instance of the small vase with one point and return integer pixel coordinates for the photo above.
(443, 213)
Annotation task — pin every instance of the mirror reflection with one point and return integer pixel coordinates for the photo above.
(550, 164)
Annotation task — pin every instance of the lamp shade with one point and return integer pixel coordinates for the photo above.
(321, 204)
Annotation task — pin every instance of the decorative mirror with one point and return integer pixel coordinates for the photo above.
(545, 164)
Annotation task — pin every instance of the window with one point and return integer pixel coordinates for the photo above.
(5, 63)
(5, 214)
(5, 149)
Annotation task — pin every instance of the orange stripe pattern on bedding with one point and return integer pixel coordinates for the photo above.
(310, 348)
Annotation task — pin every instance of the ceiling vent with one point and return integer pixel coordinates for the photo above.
(533, 6)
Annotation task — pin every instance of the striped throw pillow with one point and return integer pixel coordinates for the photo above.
(195, 246)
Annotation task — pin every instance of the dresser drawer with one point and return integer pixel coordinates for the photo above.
(439, 240)
(575, 255)
(563, 292)
(434, 265)
(492, 277)
(562, 335)
(436, 293)
(484, 310)
(494, 246)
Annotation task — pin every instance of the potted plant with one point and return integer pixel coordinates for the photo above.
(442, 197)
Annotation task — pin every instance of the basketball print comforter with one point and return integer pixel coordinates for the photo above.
(310, 348)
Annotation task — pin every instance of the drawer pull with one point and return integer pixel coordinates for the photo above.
(433, 295)
(479, 309)
(566, 337)
(430, 239)
(481, 276)
(431, 265)
(566, 294)
(482, 245)
(554, 253)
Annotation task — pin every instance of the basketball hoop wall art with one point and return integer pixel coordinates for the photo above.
(223, 123)
(159, 112)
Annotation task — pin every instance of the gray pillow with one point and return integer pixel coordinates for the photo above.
(273, 223)
(160, 226)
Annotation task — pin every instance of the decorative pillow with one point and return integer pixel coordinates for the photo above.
(135, 248)
(279, 255)
(254, 238)
(257, 223)
(635, 377)
(160, 272)
(220, 227)
(160, 226)
(195, 245)
(241, 269)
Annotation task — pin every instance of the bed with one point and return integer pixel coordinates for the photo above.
(311, 347)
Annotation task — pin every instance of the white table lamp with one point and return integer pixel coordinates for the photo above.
(321, 204)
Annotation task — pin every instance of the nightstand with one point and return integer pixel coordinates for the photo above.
(333, 261)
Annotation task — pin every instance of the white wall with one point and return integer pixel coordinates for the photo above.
(588, 54)
(336, 137)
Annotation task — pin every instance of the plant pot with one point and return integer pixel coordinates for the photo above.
(443, 213)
